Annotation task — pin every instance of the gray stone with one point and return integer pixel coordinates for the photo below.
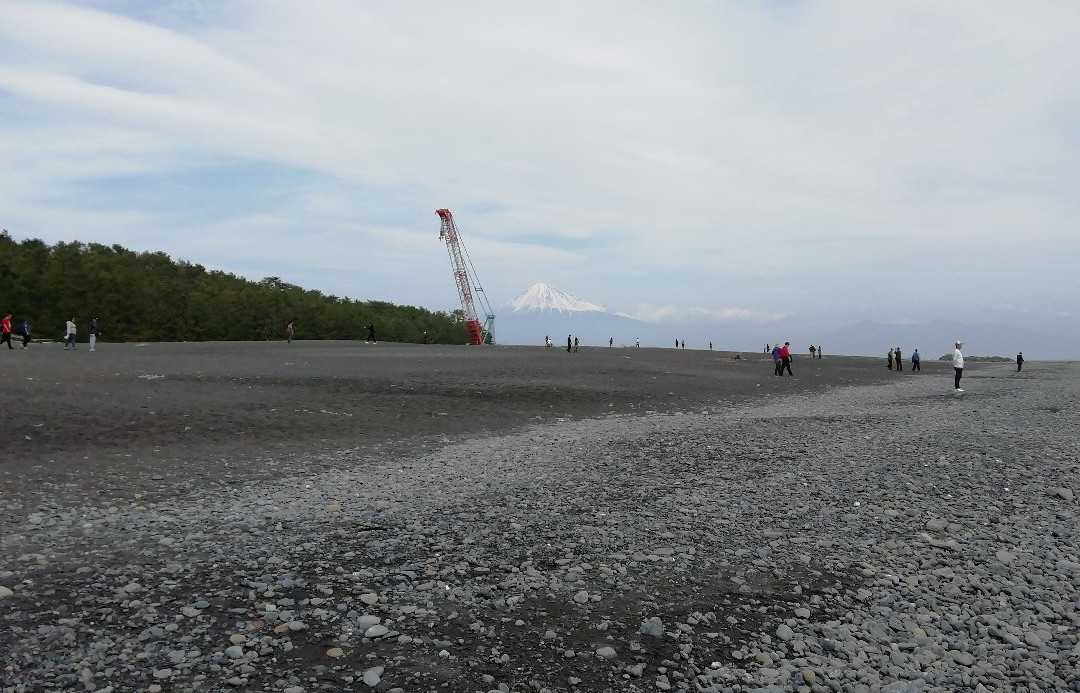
(373, 676)
(376, 631)
(653, 627)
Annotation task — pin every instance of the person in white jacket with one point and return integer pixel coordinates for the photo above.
(958, 364)
(69, 334)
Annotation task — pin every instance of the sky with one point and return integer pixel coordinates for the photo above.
(729, 162)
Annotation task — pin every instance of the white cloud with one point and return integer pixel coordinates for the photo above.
(845, 160)
(686, 314)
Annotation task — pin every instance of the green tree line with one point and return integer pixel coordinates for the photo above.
(147, 296)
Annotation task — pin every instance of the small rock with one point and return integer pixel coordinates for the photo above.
(653, 627)
(369, 598)
(373, 676)
(784, 632)
(335, 652)
(5, 592)
(1063, 493)
(606, 652)
(936, 525)
(376, 631)
(962, 658)
(234, 652)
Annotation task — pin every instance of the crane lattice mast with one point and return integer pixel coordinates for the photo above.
(460, 263)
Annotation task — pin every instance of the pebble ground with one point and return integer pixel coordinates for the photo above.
(894, 537)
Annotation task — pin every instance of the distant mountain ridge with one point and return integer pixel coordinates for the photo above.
(935, 338)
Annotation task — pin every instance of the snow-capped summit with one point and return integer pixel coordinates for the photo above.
(543, 297)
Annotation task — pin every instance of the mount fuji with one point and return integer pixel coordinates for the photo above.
(541, 297)
(543, 311)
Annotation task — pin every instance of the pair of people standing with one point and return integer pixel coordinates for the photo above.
(895, 356)
(71, 331)
(782, 359)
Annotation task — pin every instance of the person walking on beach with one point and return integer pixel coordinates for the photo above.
(819, 351)
(1020, 362)
(915, 359)
(899, 361)
(785, 359)
(575, 344)
(69, 335)
(813, 350)
(5, 331)
(776, 358)
(958, 365)
(637, 343)
(371, 334)
(890, 358)
(569, 343)
(289, 330)
(95, 330)
(710, 346)
(27, 328)
(611, 342)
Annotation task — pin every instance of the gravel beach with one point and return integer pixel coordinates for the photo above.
(339, 516)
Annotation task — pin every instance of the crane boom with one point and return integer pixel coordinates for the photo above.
(460, 264)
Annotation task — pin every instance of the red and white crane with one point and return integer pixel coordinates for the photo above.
(461, 263)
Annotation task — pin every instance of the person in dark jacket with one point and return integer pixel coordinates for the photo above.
(1019, 362)
(916, 360)
(899, 360)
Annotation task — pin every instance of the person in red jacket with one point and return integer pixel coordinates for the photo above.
(785, 359)
(5, 329)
